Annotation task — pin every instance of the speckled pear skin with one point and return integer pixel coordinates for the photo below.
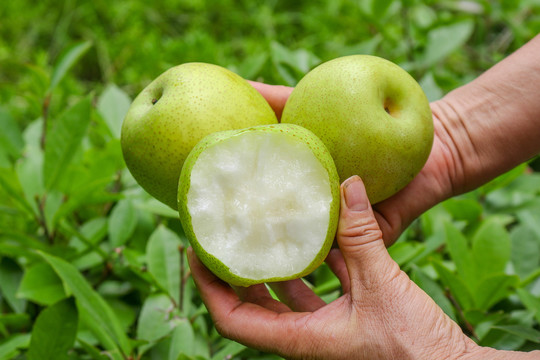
(372, 115)
(320, 151)
(175, 111)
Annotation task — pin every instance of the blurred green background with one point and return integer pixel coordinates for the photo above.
(86, 270)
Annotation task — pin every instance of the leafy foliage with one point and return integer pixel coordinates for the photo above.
(92, 268)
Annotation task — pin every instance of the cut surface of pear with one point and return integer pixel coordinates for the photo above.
(260, 204)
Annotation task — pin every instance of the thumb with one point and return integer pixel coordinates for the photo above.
(360, 238)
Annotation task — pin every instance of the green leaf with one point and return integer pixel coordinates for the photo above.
(430, 87)
(182, 340)
(521, 331)
(156, 319)
(41, 285)
(443, 40)
(29, 171)
(403, 252)
(10, 279)
(493, 289)
(252, 65)
(525, 250)
(292, 65)
(433, 289)
(229, 351)
(63, 140)
(163, 260)
(491, 248)
(113, 105)
(3, 330)
(11, 187)
(53, 202)
(531, 302)
(503, 180)
(9, 348)
(464, 209)
(122, 222)
(11, 139)
(531, 218)
(90, 331)
(94, 352)
(379, 8)
(54, 332)
(458, 248)
(456, 285)
(101, 319)
(66, 62)
(156, 207)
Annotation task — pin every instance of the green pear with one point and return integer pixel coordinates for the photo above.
(175, 111)
(260, 204)
(373, 117)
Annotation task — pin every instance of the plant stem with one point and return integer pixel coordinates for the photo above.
(42, 220)
(45, 116)
(468, 326)
(181, 250)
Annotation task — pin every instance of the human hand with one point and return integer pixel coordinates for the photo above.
(381, 315)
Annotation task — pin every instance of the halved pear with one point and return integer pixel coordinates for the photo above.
(260, 204)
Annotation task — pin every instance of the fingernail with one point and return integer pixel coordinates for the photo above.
(355, 194)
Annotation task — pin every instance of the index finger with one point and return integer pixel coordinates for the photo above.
(245, 322)
(275, 95)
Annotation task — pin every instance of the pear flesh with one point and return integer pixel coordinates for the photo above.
(260, 205)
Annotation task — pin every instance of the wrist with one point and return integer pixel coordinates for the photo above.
(454, 347)
(445, 340)
(485, 353)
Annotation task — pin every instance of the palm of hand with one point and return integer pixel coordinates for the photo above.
(382, 313)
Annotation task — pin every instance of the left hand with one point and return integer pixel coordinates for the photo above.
(381, 315)
(432, 185)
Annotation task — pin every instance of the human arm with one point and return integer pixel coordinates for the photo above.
(381, 315)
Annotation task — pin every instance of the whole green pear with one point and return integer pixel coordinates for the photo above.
(371, 114)
(175, 111)
(260, 204)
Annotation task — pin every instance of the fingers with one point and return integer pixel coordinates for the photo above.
(360, 238)
(275, 95)
(336, 263)
(258, 294)
(297, 295)
(245, 322)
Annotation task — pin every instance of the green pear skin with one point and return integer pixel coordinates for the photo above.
(175, 111)
(371, 114)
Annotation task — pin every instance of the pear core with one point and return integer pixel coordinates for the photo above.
(260, 204)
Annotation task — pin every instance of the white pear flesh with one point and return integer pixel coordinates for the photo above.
(260, 205)
(279, 233)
